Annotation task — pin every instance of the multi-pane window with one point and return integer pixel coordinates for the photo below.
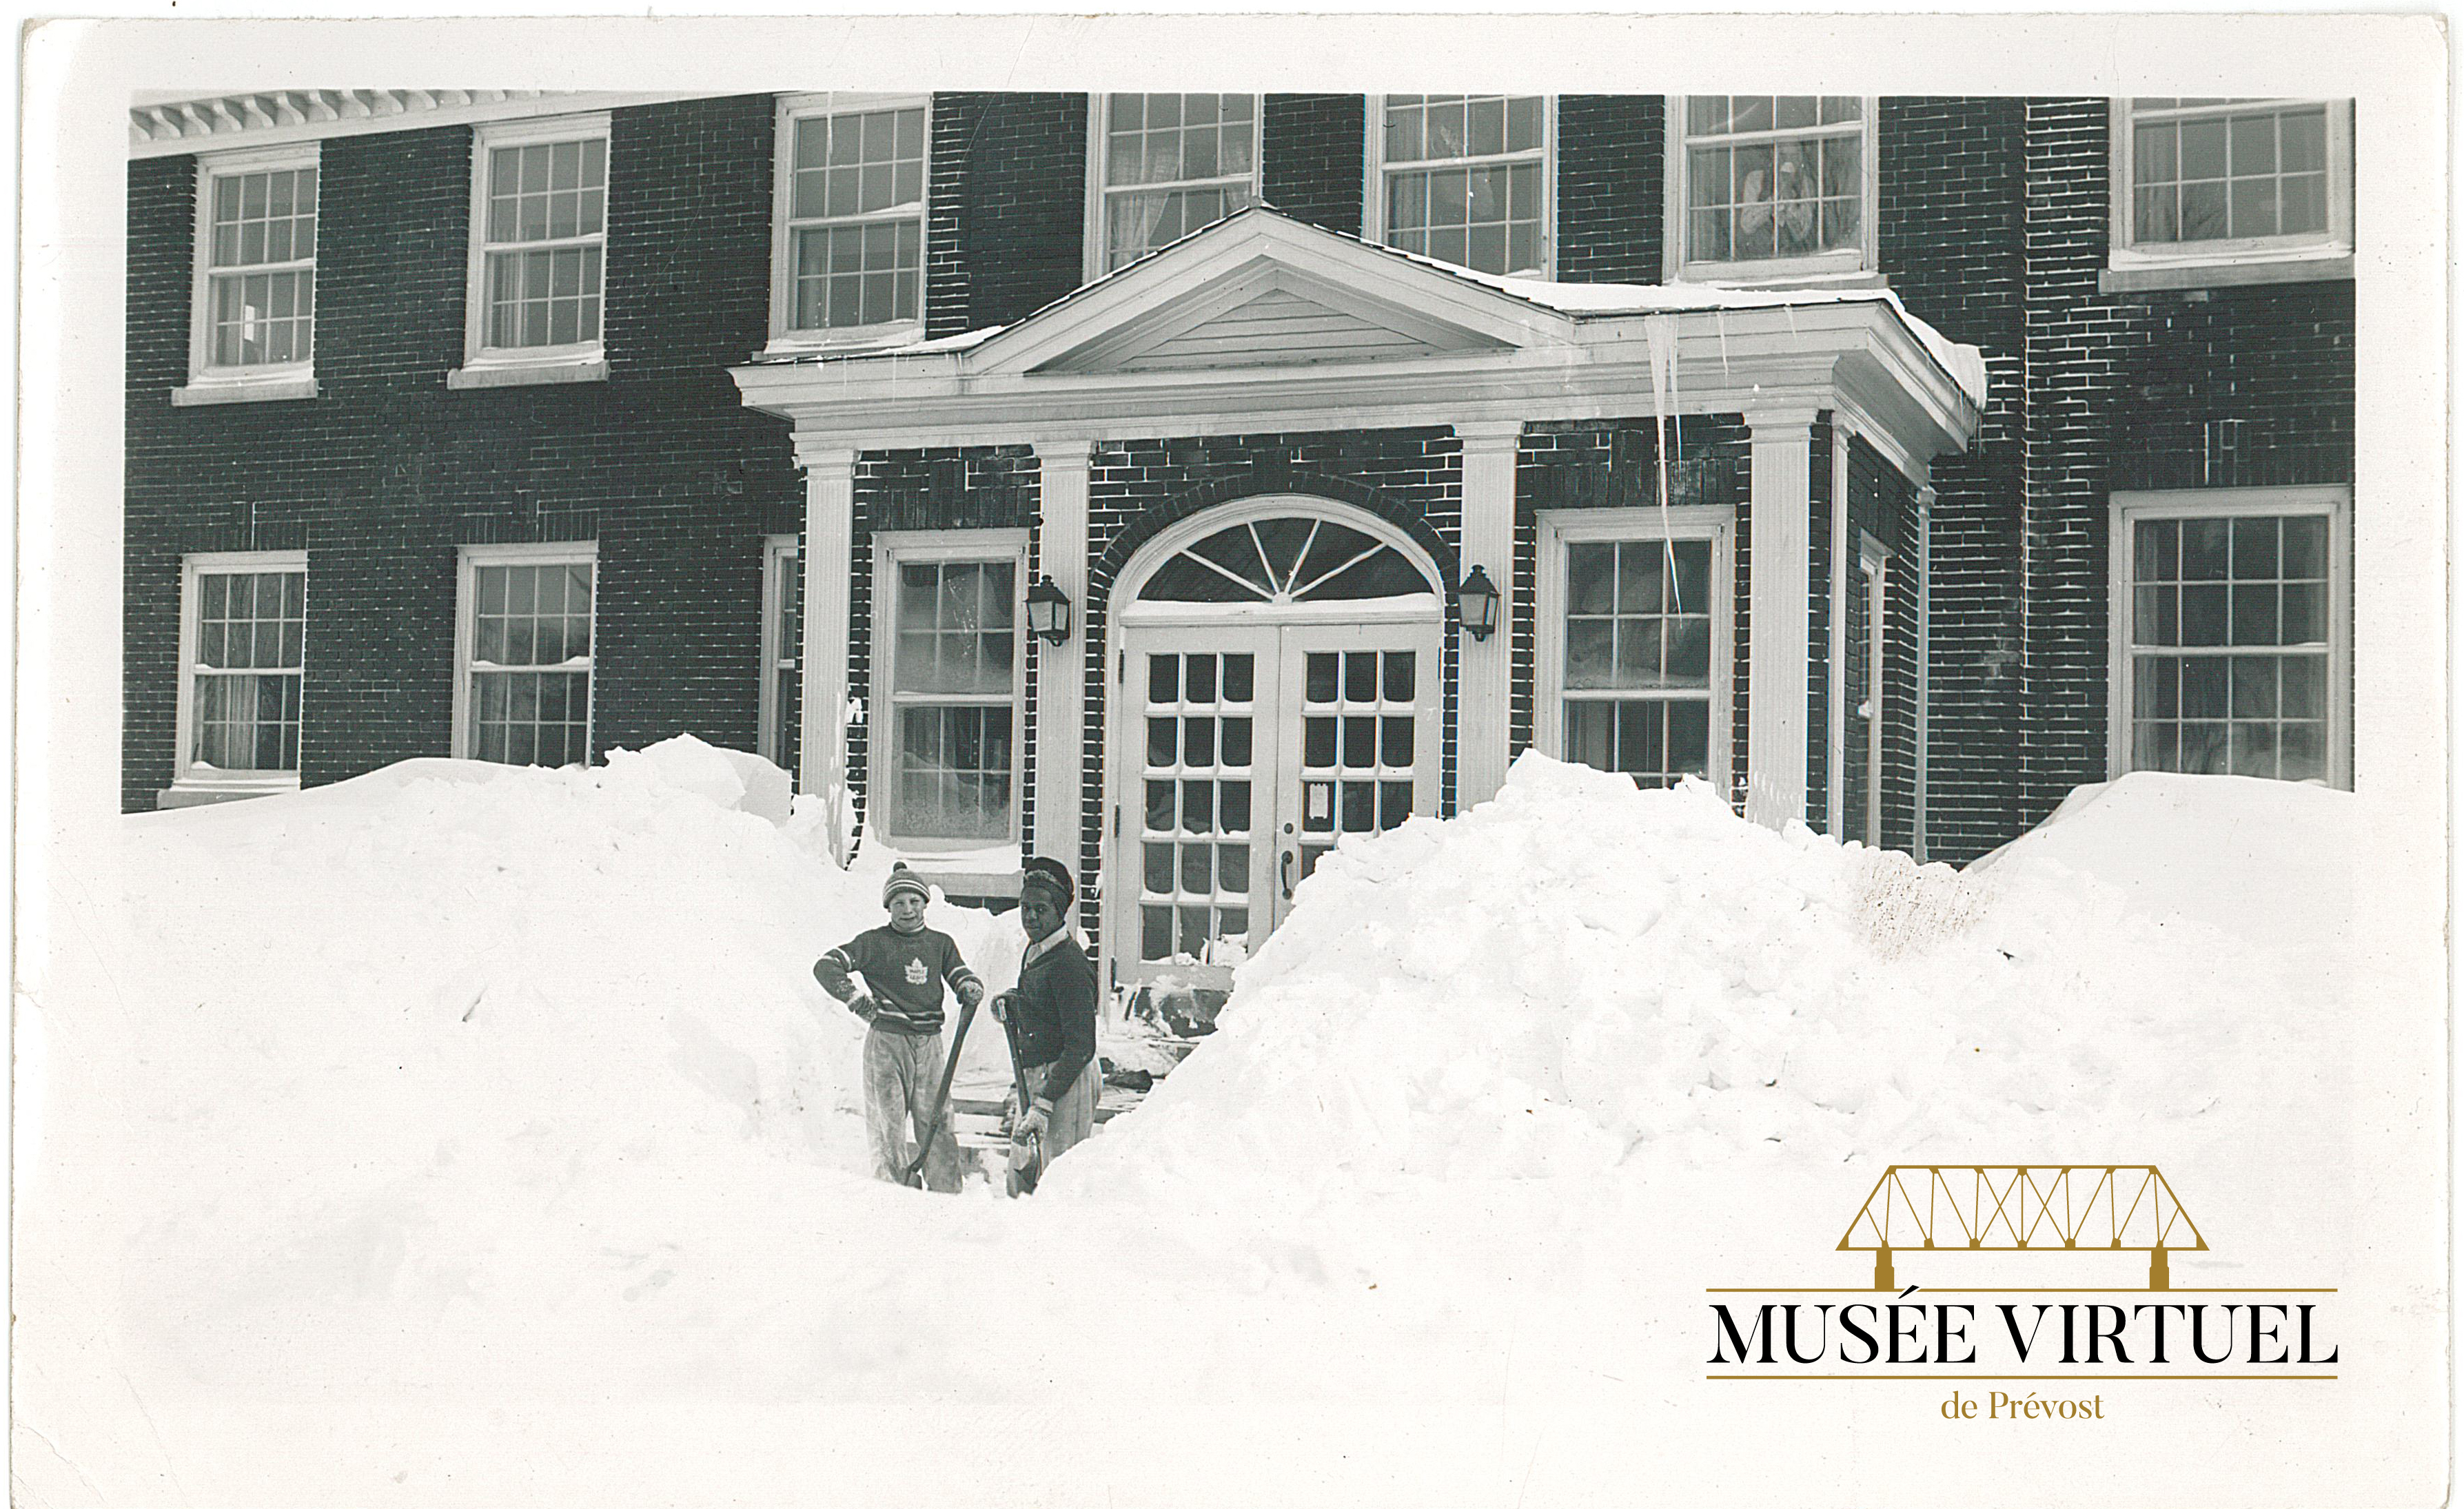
(783, 632)
(851, 218)
(1637, 657)
(527, 657)
(1463, 179)
(260, 266)
(2228, 170)
(1200, 771)
(1774, 177)
(949, 770)
(1173, 164)
(246, 632)
(2233, 645)
(542, 239)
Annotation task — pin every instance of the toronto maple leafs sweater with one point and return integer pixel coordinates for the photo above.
(904, 972)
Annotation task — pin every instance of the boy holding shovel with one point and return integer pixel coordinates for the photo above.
(1051, 1021)
(904, 965)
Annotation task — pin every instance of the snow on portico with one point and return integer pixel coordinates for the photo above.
(494, 1115)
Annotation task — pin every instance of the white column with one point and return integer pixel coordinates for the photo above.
(1781, 568)
(1060, 669)
(829, 534)
(1844, 559)
(1485, 685)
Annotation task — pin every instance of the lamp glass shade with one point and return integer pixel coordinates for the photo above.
(1476, 603)
(1048, 611)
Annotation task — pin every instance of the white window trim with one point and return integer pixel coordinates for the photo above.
(791, 109)
(465, 615)
(580, 361)
(1563, 527)
(2332, 502)
(208, 384)
(781, 560)
(1098, 154)
(890, 549)
(2210, 264)
(1856, 268)
(1373, 214)
(184, 720)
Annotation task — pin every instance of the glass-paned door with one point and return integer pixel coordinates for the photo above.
(1254, 749)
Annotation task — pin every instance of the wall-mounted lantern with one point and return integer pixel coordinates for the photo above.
(1048, 611)
(1476, 604)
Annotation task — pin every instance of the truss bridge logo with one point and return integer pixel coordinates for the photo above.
(2021, 1273)
(2036, 1208)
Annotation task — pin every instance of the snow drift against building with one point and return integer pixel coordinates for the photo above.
(478, 1080)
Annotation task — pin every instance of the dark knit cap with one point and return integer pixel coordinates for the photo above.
(1052, 877)
(902, 879)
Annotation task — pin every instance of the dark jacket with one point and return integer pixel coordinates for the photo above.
(904, 972)
(1054, 1014)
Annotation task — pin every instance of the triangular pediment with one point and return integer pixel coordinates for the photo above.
(1262, 290)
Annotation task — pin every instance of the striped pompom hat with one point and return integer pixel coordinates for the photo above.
(902, 879)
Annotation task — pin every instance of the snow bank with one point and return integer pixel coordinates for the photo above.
(1619, 994)
(503, 1100)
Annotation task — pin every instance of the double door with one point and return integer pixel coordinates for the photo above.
(1246, 752)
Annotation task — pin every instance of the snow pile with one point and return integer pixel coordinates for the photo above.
(1597, 988)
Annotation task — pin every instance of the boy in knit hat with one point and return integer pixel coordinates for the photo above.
(903, 966)
(1051, 1017)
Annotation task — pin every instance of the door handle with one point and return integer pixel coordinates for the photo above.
(1286, 867)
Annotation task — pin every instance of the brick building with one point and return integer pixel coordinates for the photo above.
(1894, 464)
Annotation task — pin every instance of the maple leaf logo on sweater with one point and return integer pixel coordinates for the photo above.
(917, 972)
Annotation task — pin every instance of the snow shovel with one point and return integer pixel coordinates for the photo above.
(914, 1179)
(1021, 1181)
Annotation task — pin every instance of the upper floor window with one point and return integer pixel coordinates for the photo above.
(850, 218)
(1465, 179)
(1771, 186)
(1169, 164)
(2255, 181)
(539, 251)
(252, 331)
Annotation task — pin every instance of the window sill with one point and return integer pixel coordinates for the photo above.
(786, 347)
(204, 390)
(1743, 274)
(202, 793)
(524, 372)
(2140, 275)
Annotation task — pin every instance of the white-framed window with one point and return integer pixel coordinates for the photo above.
(252, 333)
(948, 621)
(538, 252)
(2231, 190)
(1161, 166)
(782, 633)
(523, 654)
(848, 218)
(2232, 633)
(1862, 646)
(1771, 187)
(1467, 178)
(243, 633)
(1635, 609)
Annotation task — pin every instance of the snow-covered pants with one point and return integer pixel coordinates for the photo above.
(902, 1073)
(1073, 1113)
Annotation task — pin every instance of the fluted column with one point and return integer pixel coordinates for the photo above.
(830, 534)
(1484, 667)
(1060, 669)
(1781, 564)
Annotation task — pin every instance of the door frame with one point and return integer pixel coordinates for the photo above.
(1423, 614)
